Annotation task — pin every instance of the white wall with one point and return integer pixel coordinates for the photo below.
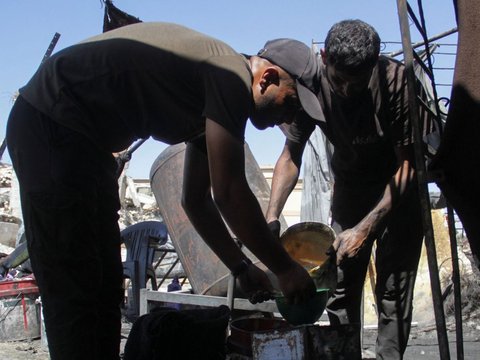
(291, 211)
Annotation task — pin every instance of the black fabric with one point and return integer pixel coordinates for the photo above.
(115, 18)
(396, 261)
(112, 88)
(69, 198)
(364, 129)
(455, 161)
(167, 333)
(302, 64)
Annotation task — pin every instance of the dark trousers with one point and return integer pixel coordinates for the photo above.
(396, 259)
(69, 197)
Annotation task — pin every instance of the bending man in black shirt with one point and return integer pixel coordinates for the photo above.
(94, 98)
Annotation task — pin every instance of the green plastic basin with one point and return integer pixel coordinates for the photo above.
(307, 312)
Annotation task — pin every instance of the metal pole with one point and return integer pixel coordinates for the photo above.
(2, 148)
(126, 156)
(456, 283)
(422, 183)
(50, 48)
(421, 43)
(231, 292)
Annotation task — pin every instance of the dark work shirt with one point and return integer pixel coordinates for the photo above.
(364, 130)
(148, 79)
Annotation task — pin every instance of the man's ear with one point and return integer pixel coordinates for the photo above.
(270, 76)
(323, 54)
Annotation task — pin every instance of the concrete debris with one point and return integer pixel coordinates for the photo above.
(6, 175)
(5, 249)
(469, 285)
(9, 221)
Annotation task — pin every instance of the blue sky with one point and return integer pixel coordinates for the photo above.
(27, 27)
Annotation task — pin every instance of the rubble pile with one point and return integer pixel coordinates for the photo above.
(9, 222)
(5, 190)
(131, 214)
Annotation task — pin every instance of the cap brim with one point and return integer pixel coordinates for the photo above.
(310, 102)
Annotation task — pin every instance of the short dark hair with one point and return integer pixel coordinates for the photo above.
(352, 46)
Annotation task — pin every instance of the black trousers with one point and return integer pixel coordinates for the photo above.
(69, 197)
(396, 259)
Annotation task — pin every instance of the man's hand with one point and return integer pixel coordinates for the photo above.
(296, 284)
(256, 284)
(348, 243)
(274, 227)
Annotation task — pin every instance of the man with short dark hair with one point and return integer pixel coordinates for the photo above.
(365, 116)
(95, 98)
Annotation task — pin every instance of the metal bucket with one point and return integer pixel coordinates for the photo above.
(243, 329)
(308, 243)
(206, 273)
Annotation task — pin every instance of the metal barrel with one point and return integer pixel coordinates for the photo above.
(206, 272)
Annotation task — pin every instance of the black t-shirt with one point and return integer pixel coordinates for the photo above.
(148, 79)
(364, 130)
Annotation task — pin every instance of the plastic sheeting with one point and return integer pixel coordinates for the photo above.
(317, 179)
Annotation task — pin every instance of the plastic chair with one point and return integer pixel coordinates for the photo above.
(140, 240)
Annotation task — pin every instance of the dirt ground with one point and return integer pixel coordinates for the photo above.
(36, 350)
(423, 344)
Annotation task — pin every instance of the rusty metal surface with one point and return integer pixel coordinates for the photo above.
(201, 265)
(206, 273)
(242, 331)
(307, 343)
(289, 344)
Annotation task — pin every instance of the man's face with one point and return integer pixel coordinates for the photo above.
(275, 106)
(347, 85)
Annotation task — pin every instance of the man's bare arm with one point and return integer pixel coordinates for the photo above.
(242, 212)
(200, 207)
(204, 215)
(285, 177)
